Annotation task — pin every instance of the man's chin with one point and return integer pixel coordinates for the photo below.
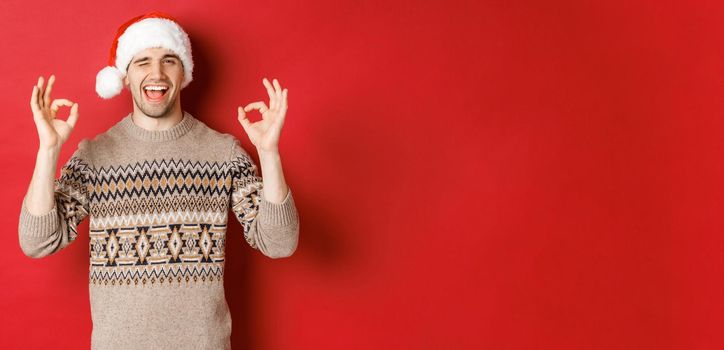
(155, 111)
(158, 110)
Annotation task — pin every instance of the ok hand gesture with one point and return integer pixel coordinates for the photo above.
(264, 134)
(52, 132)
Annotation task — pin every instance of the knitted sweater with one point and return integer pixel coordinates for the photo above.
(158, 204)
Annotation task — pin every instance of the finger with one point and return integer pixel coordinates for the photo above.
(40, 92)
(243, 119)
(55, 105)
(278, 89)
(260, 105)
(46, 96)
(241, 112)
(73, 117)
(272, 94)
(34, 100)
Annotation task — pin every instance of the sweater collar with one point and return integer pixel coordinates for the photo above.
(172, 133)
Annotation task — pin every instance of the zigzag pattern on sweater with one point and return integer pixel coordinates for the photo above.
(165, 220)
(246, 195)
(71, 199)
(188, 273)
(151, 179)
(179, 214)
(160, 207)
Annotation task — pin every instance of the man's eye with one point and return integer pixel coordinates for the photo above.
(170, 61)
(142, 64)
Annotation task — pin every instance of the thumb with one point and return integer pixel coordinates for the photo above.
(73, 117)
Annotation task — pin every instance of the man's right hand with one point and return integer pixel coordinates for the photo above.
(52, 132)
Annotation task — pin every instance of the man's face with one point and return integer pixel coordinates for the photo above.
(154, 77)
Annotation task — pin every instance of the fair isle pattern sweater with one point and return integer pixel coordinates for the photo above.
(158, 203)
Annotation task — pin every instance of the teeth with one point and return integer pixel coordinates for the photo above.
(159, 88)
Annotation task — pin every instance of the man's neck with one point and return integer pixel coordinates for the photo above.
(156, 124)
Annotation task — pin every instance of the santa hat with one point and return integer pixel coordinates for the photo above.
(154, 29)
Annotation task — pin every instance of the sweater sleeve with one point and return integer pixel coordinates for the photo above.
(45, 234)
(272, 228)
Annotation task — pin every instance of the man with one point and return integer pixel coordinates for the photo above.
(157, 187)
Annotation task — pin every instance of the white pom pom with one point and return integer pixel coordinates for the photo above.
(109, 82)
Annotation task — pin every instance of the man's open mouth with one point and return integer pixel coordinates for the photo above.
(155, 93)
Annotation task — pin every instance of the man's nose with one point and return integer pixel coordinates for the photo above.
(157, 70)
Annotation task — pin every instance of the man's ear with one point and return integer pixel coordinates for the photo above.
(125, 81)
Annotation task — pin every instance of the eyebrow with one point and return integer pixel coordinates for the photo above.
(146, 58)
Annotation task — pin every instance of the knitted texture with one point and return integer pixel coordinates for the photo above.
(158, 203)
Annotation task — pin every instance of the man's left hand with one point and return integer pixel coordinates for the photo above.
(264, 134)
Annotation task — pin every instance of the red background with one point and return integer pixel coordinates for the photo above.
(469, 174)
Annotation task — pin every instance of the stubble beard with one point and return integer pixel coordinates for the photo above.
(157, 111)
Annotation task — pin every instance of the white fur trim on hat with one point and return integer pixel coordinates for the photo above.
(147, 33)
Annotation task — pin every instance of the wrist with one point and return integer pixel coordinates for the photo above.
(267, 152)
(48, 151)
